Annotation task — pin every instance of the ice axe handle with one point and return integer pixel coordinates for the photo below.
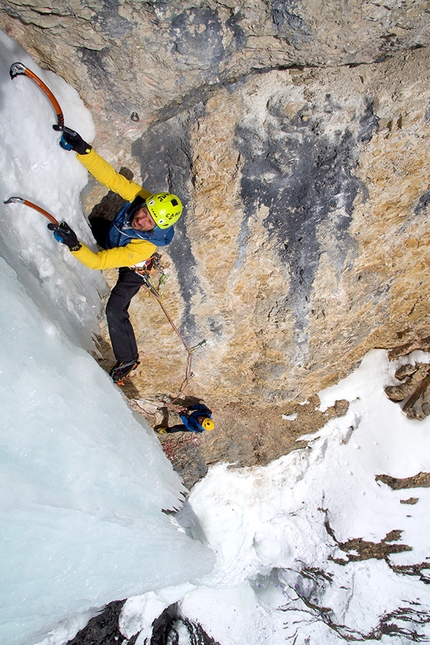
(35, 207)
(18, 68)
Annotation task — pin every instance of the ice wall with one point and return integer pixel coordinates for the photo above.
(83, 480)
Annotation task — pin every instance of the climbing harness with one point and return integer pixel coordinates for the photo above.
(19, 69)
(154, 262)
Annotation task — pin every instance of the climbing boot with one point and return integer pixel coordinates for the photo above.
(122, 370)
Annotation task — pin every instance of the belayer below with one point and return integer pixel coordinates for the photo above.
(143, 224)
(197, 418)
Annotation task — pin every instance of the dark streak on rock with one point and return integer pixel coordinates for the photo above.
(165, 157)
(305, 177)
(197, 35)
(110, 21)
(287, 21)
(423, 203)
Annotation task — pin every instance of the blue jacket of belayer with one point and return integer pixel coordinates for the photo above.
(121, 232)
(190, 420)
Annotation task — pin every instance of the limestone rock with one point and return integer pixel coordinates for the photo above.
(307, 239)
(139, 56)
(413, 375)
(415, 390)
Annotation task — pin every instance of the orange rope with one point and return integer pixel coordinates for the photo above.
(150, 414)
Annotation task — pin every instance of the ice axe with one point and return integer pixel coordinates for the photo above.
(39, 209)
(19, 69)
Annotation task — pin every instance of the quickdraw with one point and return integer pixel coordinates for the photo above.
(39, 209)
(19, 69)
(154, 262)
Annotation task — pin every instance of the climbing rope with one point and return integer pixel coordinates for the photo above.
(151, 290)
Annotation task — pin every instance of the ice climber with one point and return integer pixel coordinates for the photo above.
(143, 224)
(196, 418)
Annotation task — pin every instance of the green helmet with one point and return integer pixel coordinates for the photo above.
(165, 209)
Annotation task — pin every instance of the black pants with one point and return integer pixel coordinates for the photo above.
(120, 330)
(129, 282)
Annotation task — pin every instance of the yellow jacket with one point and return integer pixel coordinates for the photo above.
(131, 254)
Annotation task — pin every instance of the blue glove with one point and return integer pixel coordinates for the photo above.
(64, 234)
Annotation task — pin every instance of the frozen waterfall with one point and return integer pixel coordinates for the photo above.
(84, 481)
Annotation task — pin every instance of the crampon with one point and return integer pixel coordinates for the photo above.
(121, 371)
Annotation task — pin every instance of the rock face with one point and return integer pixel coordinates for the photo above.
(414, 391)
(297, 135)
(140, 56)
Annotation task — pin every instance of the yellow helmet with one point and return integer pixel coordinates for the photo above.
(207, 424)
(165, 209)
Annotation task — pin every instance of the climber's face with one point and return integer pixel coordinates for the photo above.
(142, 221)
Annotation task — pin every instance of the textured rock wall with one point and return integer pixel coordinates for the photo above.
(318, 224)
(140, 56)
(297, 134)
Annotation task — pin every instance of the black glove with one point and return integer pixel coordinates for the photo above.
(64, 234)
(71, 140)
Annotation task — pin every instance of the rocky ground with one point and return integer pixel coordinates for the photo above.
(103, 629)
